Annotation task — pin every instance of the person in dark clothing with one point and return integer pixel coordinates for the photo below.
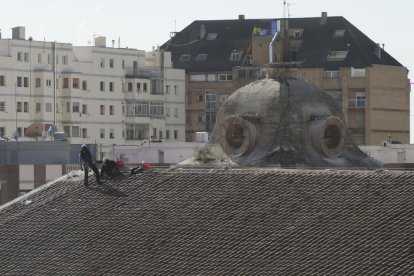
(87, 162)
(109, 168)
(144, 166)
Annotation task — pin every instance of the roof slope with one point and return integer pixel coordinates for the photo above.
(216, 222)
(232, 35)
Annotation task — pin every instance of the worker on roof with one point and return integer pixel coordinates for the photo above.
(143, 167)
(109, 168)
(87, 162)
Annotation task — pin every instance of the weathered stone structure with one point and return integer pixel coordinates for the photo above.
(288, 123)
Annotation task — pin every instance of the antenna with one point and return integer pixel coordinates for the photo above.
(288, 8)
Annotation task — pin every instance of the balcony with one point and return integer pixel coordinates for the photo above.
(356, 103)
(143, 73)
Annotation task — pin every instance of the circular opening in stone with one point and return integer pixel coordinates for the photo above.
(235, 136)
(332, 137)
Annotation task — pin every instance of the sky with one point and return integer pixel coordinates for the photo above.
(147, 24)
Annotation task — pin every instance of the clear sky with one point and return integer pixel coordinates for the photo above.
(144, 24)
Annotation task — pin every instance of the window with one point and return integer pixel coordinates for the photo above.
(48, 83)
(19, 56)
(167, 134)
(111, 134)
(249, 60)
(39, 58)
(211, 77)
(175, 134)
(66, 129)
(84, 85)
(38, 107)
(102, 109)
(102, 133)
(201, 98)
(336, 55)
(137, 132)
(3, 106)
(138, 87)
(65, 83)
(224, 98)
(2, 131)
(84, 109)
(157, 87)
(26, 81)
(176, 112)
(75, 107)
(211, 36)
(197, 77)
(26, 57)
(111, 63)
(111, 110)
(297, 34)
(145, 87)
(167, 89)
(167, 111)
(185, 57)
(2, 81)
(225, 77)
(235, 56)
(26, 107)
(156, 109)
(102, 63)
(248, 73)
(67, 106)
(160, 134)
(175, 89)
(102, 86)
(339, 33)
(19, 132)
(154, 133)
(65, 60)
(331, 75)
(84, 133)
(48, 107)
(201, 119)
(123, 64)
(111, 86)
(201, 57)
(75, 83)
(129, 86)
(49, 59)
(19, 81)
(358, 73)
(75, 131)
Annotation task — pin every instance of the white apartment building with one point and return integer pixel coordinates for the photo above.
(95, 94)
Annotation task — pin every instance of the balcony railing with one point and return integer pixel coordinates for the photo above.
(145, 73)
(356, 103)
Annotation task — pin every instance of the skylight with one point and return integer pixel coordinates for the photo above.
(336, 55)
(339, 33)
(235, 56)
(211, 36)
(185, 57)
(201, 57)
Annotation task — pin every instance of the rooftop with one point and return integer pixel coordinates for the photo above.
(215, 222)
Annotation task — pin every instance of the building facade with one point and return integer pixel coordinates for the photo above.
(220, 56)
(95, 94)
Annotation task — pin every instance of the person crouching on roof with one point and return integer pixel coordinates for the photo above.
(109, 168)
(144, 166)
(87, 162)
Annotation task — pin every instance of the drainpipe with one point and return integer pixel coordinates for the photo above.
(272, 43)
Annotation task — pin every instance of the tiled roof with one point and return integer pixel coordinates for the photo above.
(236, 35)
(215, 222)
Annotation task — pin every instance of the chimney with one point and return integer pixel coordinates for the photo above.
(19, 33)
(241, 17)
(100, 41)
(203, 31)
(324, 18)
(378, 50)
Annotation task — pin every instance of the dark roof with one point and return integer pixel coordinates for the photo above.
(237, 34)
(215, 222)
